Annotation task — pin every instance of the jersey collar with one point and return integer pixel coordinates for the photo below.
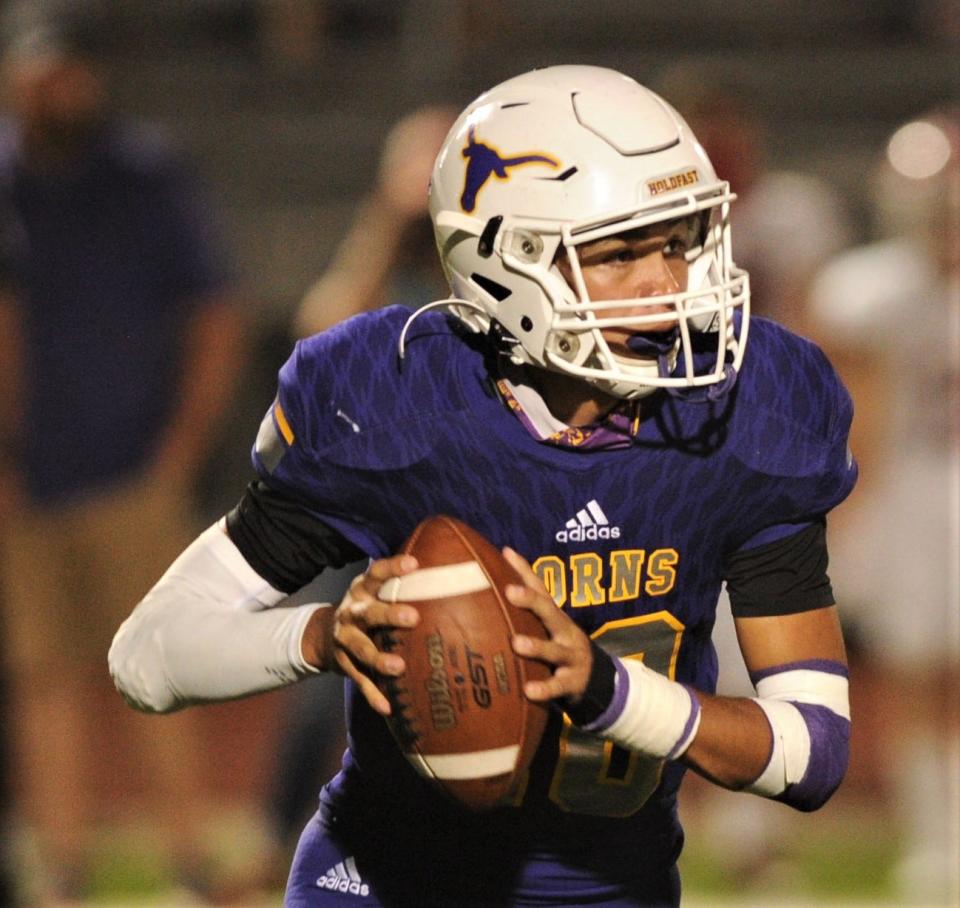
(616, 430)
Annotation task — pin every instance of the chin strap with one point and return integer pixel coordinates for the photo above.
(658, 345)
(653, 344)
(708, 393)
(715, 392)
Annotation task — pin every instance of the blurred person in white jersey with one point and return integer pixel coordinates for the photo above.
(889, 314)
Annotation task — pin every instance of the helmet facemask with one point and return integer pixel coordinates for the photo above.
(571, 340)
(669, 331)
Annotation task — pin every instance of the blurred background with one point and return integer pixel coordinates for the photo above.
(187, 186)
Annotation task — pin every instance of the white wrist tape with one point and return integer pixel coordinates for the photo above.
(208, 631)
(793, 747)
(656, 716)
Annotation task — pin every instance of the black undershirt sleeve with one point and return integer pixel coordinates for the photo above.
(781, 577)
(285, 544)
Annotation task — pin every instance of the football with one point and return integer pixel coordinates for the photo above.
(458, 711)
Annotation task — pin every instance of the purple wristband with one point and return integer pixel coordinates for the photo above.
(619, 701)
(684, 740)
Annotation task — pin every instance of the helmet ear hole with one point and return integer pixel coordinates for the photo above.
(497, 291)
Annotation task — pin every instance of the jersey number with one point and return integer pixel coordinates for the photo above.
(594, 776)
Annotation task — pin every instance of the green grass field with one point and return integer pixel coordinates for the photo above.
(740, 851)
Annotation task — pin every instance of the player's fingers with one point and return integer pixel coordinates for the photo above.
(366, 685)
(570, 661)
(362, 651)
(522, 567)
(371, 611)
(359, 659)
(551, 651)
(558, 686)
(567, 649)
(362, 608)
(540, 603)
(384, 568)
(368, 584)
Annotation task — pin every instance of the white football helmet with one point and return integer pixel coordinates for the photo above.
(563, 156)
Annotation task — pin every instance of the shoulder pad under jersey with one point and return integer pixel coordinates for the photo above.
(350, 399)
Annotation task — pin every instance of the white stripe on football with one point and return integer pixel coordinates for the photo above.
(480, 764)
(436, 583)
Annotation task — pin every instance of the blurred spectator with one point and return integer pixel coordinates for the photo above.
(888, 313)
(291, 31)
(294, 34)
(388, 255)
(936, 22)
(788, 222)
(119, 350)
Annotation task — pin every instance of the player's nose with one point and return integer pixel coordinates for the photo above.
(653, 277)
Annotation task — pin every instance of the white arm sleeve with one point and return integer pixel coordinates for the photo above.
(208, 631)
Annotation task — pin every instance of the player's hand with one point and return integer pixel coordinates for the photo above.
(353, 651)
(568, 649)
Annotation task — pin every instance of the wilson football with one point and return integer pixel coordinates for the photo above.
(458, 711)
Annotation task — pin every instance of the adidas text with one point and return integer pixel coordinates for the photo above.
(343, 885)
(582, 534)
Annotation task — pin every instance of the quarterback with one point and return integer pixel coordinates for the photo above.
(586, 398)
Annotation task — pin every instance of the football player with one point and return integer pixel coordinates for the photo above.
(584, 399)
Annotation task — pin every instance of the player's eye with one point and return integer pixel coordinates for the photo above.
(623, 254)
(611, 254)
(676, 246)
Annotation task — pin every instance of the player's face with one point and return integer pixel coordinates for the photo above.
(649, 261)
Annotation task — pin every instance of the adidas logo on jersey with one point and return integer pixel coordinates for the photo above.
(344, 877)
(589, 524)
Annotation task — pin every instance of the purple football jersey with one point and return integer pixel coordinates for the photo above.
(630, 541)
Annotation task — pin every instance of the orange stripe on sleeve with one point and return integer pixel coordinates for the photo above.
(282, 424)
